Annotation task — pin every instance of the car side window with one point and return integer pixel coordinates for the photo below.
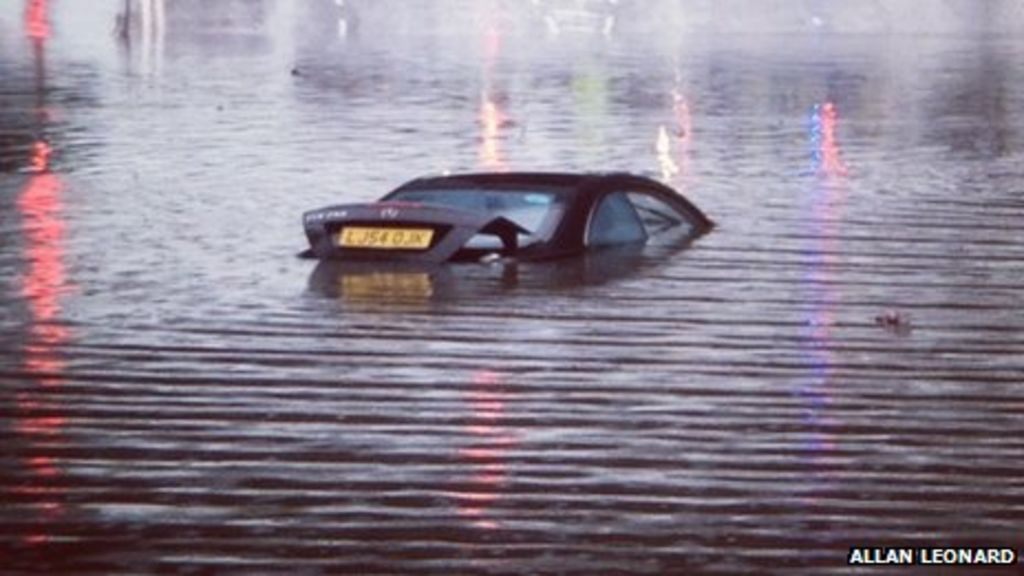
(615, 221)
(656, 214)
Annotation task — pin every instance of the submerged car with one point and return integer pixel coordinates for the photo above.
(522, 215)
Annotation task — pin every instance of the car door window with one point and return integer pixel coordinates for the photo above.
(656, 214)
(615, 221)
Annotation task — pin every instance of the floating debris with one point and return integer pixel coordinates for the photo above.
(894, 321)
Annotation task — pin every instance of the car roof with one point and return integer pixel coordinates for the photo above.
(584, 187)
(575, 180)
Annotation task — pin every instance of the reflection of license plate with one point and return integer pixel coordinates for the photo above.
(413, 286)
(385, 238)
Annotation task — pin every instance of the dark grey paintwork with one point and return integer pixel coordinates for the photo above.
(454, 227)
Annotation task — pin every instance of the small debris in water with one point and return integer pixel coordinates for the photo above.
(894, 321)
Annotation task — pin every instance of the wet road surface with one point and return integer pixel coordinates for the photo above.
(178, 393)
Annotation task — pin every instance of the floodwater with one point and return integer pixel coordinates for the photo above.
(179, 393)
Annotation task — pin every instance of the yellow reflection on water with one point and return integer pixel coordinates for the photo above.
(386, 285)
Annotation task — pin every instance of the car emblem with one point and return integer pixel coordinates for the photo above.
(390, 213)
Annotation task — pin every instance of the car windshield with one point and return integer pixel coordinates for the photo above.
(536, 210)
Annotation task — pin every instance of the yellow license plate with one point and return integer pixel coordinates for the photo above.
(385, 238)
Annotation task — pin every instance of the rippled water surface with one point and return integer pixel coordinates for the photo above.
(178, 392)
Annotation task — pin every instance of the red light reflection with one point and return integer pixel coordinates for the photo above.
(37, 26)
(42, 285)
(820, 282)
(38, 421)
(492, 42)
(45, 280)
(486, 453)
(831, 162)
